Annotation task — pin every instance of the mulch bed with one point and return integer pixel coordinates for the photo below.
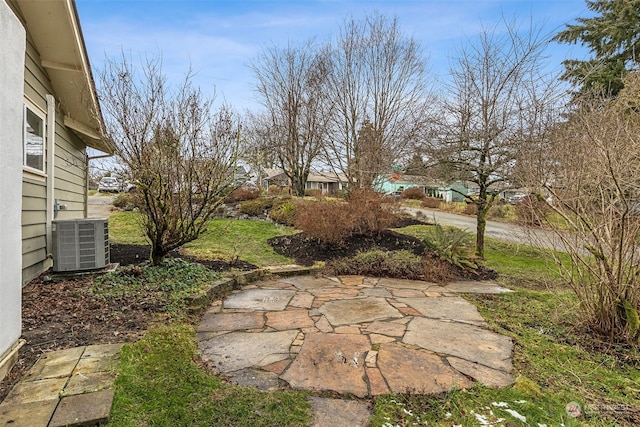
(58, 313)
(305, 250)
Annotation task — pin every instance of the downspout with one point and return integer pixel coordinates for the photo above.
(50, 146)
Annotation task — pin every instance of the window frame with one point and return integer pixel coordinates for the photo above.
(42, 115)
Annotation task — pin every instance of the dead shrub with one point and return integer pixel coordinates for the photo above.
(470, 209)
(531, 211)
(314, 193)
(276, 190)
(368, 213)
(328, 222)
(413, 193)
(242, 193)
(431, 202)
(501, 212)
(438, 270)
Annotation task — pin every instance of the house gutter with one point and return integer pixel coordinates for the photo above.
(51, 145)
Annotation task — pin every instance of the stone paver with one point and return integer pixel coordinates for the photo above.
(449, 308)
(260, 299)
(387, 328)
(238, 350)
(487, 376)
(289, 319)
(410, 370)
(358, 310)
(212, 322)
(330, 362)
(467, 342)
(33, 414)
(70, 387)
(83, 409)
(55, 365)
(355, 335)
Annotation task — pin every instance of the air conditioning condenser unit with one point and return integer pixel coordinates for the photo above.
(80, 244)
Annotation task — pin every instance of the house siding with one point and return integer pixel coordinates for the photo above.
(12, 49)
(70, 176)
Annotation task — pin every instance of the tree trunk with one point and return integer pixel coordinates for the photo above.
(158, 253)
(481, 219)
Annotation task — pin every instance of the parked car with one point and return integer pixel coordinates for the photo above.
(109, 184)
(128, 187)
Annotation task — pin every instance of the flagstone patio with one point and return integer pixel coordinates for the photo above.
(355, 335)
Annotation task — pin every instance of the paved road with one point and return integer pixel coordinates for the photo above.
(496, 230)
(99, 205)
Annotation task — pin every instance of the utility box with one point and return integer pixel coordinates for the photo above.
(80, 244)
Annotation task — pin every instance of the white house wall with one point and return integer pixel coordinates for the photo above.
(12, 47)
(69, 175)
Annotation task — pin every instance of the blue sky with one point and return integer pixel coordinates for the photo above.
(220, 37)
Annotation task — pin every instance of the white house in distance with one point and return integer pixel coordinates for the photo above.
(49, 115)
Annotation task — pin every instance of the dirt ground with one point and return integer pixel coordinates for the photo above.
(59, 313)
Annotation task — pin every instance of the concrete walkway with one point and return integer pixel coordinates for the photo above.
(72, 387)
(354, 336)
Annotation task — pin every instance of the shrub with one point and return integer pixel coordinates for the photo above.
(453, 207)
(413, 193)
(276, 190)
(367, 212)
(285, 213)
(341, 194)
(256, 207)
(531, 211)
(437, 269)
(328, 222)
(332, 222)
(453, 245)
(397, 264)
(126, 201)
(431, 202)
(314, 193)
(502, 211)
(470, 209)
(242, 193)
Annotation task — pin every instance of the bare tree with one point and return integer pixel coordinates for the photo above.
(380, 93)
(593, 180)
(257, 151)
(290, 83)
(179, 152)
(496, 105)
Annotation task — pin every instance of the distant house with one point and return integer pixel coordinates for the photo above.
(399, 182)
(275, 177)
(49, 115)
(327, 182)
(451, 192)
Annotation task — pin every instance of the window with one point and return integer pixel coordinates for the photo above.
(33, 139)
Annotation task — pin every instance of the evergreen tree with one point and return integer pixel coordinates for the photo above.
(613, 36)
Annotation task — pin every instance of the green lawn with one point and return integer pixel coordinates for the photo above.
(231, 239)
(225, 239)
(161, 383)
(125, 229)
